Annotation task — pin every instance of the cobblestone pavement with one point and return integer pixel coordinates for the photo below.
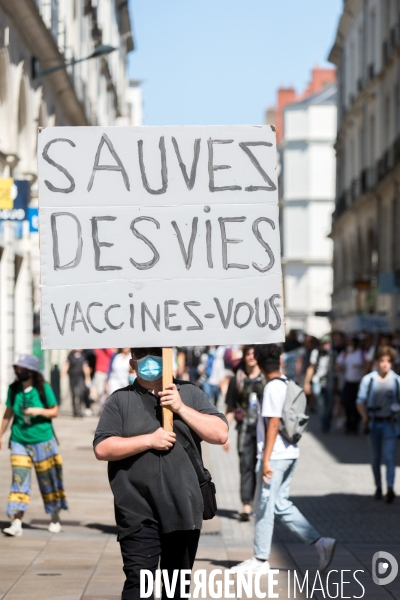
(332, 487)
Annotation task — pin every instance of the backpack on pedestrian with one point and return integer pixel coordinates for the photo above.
(294, 420)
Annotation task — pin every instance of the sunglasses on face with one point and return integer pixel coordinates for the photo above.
(139, 353)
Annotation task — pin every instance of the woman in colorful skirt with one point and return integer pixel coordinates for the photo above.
(31, 404)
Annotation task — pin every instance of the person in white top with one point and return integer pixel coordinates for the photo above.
(276, 464)
(119, 371)
(351, 361)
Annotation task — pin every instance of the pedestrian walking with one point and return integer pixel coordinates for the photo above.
(31, 405)
(118, 376)
(336, 378)
(243, 399)
(309, 345)
(378, 403)
(191, 356)
(292, 357)
(317, 382)
(102, 366)
(212, 367)
(351, 362)
(275, 468)
(158, 502)
(78, 370)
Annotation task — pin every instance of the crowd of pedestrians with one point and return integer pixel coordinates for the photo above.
(94, 375)
(352, 383)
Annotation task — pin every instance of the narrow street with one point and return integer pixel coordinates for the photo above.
(83, 562)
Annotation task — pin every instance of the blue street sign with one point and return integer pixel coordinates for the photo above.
(33, 218)
(20, 193)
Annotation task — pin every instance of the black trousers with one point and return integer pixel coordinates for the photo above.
(247, 448)
(80, 395)
(349, 397)
(143, 550)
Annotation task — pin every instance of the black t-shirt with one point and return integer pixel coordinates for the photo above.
(156, 488)
(193, 354)
(76, 361)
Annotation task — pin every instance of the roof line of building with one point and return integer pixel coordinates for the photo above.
(26, 19)
(328, 91)
(344, 22)
(125, 25)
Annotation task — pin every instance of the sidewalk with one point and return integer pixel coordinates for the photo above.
(332, 487)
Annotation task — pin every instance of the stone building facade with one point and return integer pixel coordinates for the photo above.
(36, 35)
(366, 221)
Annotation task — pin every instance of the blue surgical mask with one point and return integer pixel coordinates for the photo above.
(149, 367)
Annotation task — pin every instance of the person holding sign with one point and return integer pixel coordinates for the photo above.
(158, 501)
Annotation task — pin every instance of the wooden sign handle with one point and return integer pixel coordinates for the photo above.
(167, 414)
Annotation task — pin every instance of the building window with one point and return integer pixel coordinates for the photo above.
(372, 48)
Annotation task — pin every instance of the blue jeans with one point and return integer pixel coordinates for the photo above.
(212, 391)
(273, 499)
(324, 399)
(383, 443)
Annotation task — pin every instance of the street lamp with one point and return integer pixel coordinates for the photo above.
(100, 50)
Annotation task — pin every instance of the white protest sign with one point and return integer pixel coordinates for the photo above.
(159, 236)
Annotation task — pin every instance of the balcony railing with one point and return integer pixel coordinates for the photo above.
(369, 178)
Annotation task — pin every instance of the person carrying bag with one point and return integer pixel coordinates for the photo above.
(31, 406)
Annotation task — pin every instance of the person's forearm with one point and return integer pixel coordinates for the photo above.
(210, 428)
(362, 411)
(309, 375)
(87, 373)
(64, 370)
(6, 420)
(117, 448)
(50, 413)
(229, 415)
(4, 426)
(270, 438)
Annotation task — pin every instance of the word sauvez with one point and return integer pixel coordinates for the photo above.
(190, 180)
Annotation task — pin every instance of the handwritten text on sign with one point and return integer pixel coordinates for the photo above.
(159, 236)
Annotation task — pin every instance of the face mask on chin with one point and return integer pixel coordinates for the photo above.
(149, 367)
(23, 375)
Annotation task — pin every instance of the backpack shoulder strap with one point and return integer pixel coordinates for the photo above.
(279, 379)
(43, 398)
(14, 388)
(371, 381)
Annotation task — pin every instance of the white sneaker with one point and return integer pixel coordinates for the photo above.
(252, 564)
(55, 527)
(88, 412)
(325, 548)
(15, 528)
